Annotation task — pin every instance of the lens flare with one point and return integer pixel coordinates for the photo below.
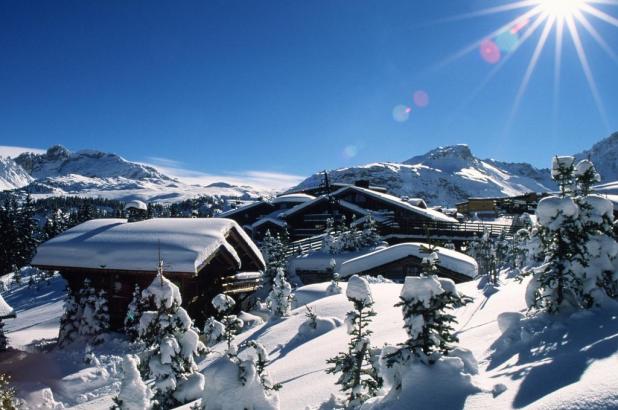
(421, 98)
(490, 51)
(401, 113)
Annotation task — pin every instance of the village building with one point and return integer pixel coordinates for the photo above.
(203, 256)
(393, 262)
(509, 205)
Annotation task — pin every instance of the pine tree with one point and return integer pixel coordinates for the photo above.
(134, 314)
(69, 322)
(224, 305)
(369, 237)
(575, 237)
(171, 342)
(134, 393)
(94, 316)
(27, 228)
(359, 376)
(280, 297)
(424, 302)
(274, 251)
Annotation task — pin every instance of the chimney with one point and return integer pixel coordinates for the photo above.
(362, 183)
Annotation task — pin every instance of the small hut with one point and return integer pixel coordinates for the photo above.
(203, 256)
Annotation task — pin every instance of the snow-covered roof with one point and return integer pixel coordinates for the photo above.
(136, 205)
(448, 259)
(186, 244)
(393, 200)
(295, 198)
(345, 204)
(275, 221)
(5, 309)
(241, 209)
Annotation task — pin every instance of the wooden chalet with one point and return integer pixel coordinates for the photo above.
(326, 188)
(203, 256)
(514, 205)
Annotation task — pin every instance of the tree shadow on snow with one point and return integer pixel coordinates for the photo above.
(554, 352)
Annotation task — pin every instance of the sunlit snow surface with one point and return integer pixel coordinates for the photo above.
(565, 361)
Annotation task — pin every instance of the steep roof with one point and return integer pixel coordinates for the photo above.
(344, 204)
(293, 198)
(398, 202)
(186, 244)
(243, 208)
(447, 258)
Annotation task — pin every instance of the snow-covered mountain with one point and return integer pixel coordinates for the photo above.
(604, 155)
(91, 173)
(445, 176)
(12, 176)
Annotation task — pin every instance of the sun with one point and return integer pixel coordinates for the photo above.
(561, 8)
(552, 18)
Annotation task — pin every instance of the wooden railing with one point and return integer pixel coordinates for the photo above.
(417, 230)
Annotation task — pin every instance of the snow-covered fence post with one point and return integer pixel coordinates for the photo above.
(359, 376)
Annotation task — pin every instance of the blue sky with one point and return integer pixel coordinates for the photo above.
(288, 87)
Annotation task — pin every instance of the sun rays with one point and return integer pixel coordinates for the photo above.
(552, 18)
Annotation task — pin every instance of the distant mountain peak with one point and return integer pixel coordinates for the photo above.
(58, 161)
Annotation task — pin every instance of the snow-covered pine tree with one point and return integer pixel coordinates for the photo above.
(576, 237)
(279, 299)
(171, 344)
(69, 322)
(369, 236)
(273, 250)
(230, 322)
(214, 332)
(599, 278)
(359, 377)
(134, 393)
(94, 315)
(334, 288)
(134, 313)
(559, 280)
(425, 302)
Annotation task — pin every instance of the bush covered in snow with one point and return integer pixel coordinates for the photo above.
(93, 314)
(357, 368)
(228, 326)
(273, 250)
(7, 393)
(345, 237)
(134, 393)
(172, 343)
(240, 380)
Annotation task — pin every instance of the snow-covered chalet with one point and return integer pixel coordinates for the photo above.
(203, 256)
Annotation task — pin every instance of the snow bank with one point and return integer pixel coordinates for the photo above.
(448, 259)
(185, 244)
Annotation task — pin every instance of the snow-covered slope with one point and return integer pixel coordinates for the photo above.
(90, 173)
(564, 361)
(12, 176)
(445, 176)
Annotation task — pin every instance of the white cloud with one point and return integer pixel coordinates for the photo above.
(265, 180)
(12, 151)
